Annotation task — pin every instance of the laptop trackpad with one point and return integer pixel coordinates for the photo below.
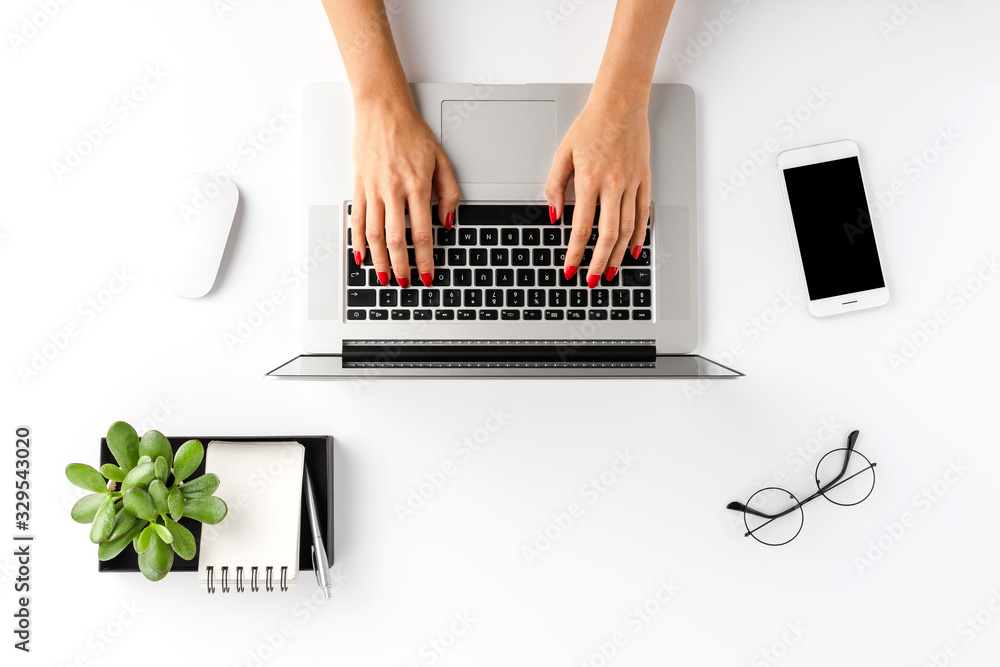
(499, 141)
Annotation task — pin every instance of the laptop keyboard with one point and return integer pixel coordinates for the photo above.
(503, 262)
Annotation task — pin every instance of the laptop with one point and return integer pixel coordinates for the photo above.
(500, 305)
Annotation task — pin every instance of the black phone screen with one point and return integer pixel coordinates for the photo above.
(833, 228)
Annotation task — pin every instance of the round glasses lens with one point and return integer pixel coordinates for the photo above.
(854, 486)
(773, 531)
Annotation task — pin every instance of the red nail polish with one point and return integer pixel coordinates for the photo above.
(570, 272)
(449, 220)
(611, 273)
(357, 257)
(593, 279)
(426, 278)
(403, 282)
(383, 278)
(635, 251)
(552, 214)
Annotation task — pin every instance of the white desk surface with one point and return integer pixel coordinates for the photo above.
(451, 585)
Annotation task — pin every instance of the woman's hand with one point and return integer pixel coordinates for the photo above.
(606, 150)
(397, 162)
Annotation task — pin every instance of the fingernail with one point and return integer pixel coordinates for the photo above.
(635, 251)
(552, 214)
(570, 272)
(426, 279)
(611, 273)
(383, 278)
(593, 279)
(403, 282)
(357, 257)
(449, 220)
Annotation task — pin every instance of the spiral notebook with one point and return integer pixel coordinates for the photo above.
(256, 547)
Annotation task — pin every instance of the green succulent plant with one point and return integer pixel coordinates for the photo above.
(132, 502)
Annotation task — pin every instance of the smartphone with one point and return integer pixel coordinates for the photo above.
(832, 232)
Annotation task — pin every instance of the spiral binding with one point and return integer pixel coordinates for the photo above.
(254, 585)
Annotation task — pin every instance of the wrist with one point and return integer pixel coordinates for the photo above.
(383, 97)
(620, 97)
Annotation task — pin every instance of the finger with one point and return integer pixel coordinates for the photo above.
(358, 224)
(583, 224)
(555, 187)
(642, 208)
(395, 236)
(607, 235)
(447, 191)
(375, 235)
(626, 227)
(422, 235)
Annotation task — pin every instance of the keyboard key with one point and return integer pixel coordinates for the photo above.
(578, 297)
(442, 277)
(387, 298)
(643, 260)
(466, 314)
(467, 236)
(520, 257)
(444, 314)
(598, 314)
(438, 256)
(552, 236)
(356, 314)
(489, 236)
(531, 236)
(505, 277)
(642, 314)
(554, 314)
(487, 314)
(495, 215)
(411, 256)
(462, 277)
(361, 297)
(599, 298)
(576, 314)
(373, 277)
(643, 298)
(557, 298)
(446, 237)
(509, 236)
(620, 298)
(457, 257)
(547, 277)
(355, 276)
(536, 298)
(572, 282)
(610, 283)
(430, 298)
(541, 257)
(515, 298)
(619, 314)
(484, 277)
(559, 257)
(525, 277)
(494, 298)
(635, 277)
(532, 314)
(588, 254)
(473, 298)
(422, 315)
(451, 298)
(478, 257)
(510, 314)
(499, 257)
(409, 297)
(400, 314)
(377, 314)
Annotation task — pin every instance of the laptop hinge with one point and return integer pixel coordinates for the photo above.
(570, 352)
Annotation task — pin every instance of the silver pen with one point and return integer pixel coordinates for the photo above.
(319, 560)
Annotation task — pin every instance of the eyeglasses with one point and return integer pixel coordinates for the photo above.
(851, 484)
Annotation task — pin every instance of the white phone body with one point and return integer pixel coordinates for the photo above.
(839, 261)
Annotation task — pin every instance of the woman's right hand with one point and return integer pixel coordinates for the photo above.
(397, 163)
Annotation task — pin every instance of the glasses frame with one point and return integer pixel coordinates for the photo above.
(849, 451)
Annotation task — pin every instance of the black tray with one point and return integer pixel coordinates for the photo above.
(319, 461)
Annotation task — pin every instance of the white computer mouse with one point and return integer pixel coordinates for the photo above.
(194, 234)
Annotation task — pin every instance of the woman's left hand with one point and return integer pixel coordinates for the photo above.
(606, 150)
